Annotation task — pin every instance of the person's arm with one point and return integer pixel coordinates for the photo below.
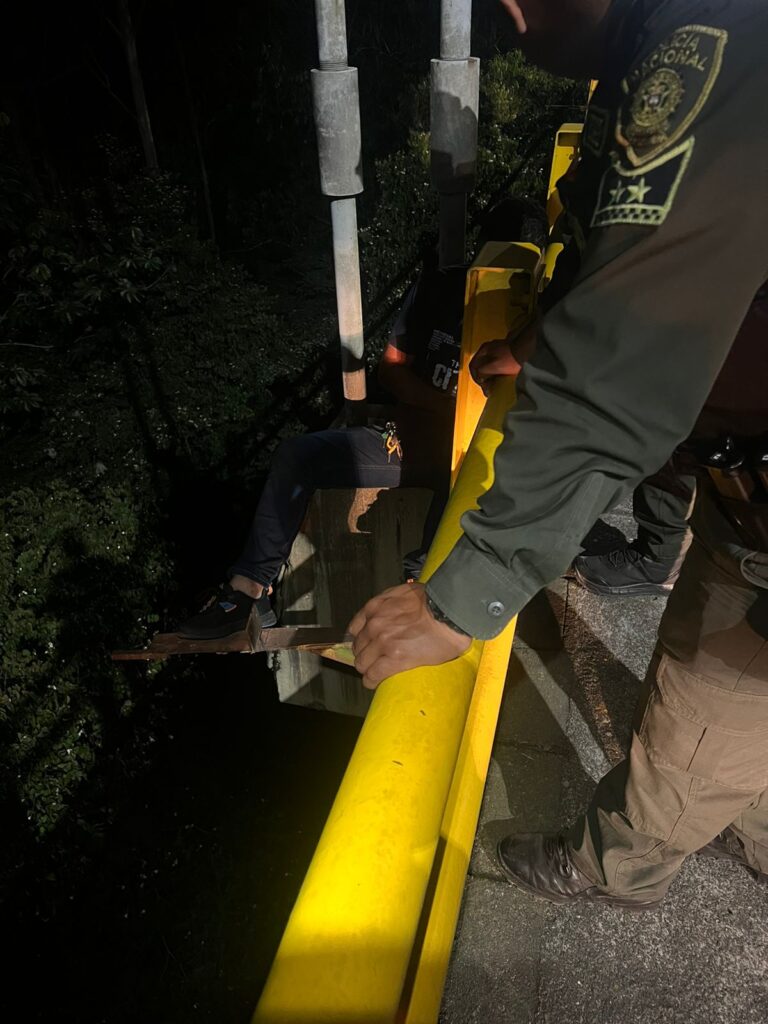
(503, 357)
(623, 366)
(624, 361)
(397, 375)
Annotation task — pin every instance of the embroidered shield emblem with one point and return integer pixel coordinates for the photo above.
(666, 92)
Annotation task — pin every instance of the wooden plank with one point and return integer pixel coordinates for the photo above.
(321, 640)
(163, 645)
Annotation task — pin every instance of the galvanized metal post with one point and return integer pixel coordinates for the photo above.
(453, 113)
(337, 122)
(455, 29)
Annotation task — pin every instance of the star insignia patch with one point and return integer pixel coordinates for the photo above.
(644, 196)
(665, 93)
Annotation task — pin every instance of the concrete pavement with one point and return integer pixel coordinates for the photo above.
(702, 958)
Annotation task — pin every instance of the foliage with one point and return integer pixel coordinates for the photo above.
(19, 393)
(75, 567)
(520, 109)
(135, 363)
(141, 373)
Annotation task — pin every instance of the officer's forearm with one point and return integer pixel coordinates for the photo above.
(613, 387)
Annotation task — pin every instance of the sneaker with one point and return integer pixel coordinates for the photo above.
(626, 571)
(226, 612)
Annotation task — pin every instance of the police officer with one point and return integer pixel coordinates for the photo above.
(669, 245)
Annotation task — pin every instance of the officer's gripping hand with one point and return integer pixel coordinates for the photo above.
(503, 357)
(396, 631)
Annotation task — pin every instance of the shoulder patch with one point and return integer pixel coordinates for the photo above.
(644, 196)
(667, 91)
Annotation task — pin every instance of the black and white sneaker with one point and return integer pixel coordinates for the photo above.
(626, 571)
(226, 612)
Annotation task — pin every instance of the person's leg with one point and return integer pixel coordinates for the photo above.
(662, 506)
(699, 755)
(651, 564)
(355, 457)
(698, 761)
(331, 458)
(427, 448)
(750, 829)
(413, 561)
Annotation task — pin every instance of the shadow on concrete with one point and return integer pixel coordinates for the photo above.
(565, 720)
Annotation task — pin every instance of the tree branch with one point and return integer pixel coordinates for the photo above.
(22, 344)
(103, 79)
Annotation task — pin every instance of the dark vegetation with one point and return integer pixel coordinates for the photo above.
(167, 315)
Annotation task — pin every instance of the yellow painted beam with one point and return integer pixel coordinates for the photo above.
(567, 143)
(500, 296)
(421, 999)
(351, 951)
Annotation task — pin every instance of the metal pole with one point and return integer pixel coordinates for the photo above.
(455, 29)
(331, 34)
(346, 264)
(453, 113)
(337, 121)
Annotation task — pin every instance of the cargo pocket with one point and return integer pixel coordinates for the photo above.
(708, 732)
(670, 735)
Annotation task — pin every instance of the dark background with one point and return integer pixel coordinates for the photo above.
(162, 329)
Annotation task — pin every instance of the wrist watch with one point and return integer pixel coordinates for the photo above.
(439, 616)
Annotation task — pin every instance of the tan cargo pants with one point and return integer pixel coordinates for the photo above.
(698, 761)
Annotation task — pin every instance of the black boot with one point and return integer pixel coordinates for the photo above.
(626, 571)
(542, 865)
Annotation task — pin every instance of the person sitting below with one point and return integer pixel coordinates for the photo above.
(411, 447)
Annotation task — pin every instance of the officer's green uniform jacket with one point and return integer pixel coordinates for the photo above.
(669, 213)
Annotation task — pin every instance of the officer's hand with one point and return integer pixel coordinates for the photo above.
(396, 631)
(503, 357)
(493, 359)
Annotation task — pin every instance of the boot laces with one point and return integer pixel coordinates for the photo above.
(624, 556)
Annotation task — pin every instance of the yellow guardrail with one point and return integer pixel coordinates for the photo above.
(369, 938)
(566, 149)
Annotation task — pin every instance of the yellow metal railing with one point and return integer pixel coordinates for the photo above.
(566, 150)
(369, 937)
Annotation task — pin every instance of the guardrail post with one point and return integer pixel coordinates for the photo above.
(454, 100)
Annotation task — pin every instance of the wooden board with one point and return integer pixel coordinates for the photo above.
(327, 641)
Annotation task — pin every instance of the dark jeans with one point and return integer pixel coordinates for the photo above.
(354, 457)
(662, 506)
